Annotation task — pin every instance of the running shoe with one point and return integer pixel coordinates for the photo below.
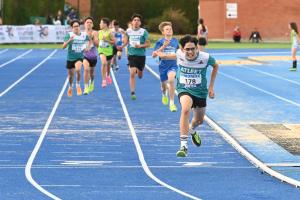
(133, 97)
(86, 91)
(293, 69)
(165, 100)
(182, 152)
(91, 87)
(70, 92)
(108, 80)
(196, 139)
(173, 108)
(79, 91)
(103, 83)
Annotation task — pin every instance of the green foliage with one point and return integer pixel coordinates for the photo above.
(18, 12)
(180, 23)
(151, 10)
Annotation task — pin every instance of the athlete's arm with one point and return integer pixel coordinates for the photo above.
(95, 38)
(165, 56)
(67, 42)
(146, 45)
(125, 41)
(214, 72)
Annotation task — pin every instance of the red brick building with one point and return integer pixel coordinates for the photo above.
(83, 6)
(270, 17)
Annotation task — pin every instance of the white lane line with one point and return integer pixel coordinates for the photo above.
(261, 90)
(16, 58)
(234, 143)
(25, 75)
(3, 51)
(38, 145)
(138, 147)
(251, 53)
(272, 75)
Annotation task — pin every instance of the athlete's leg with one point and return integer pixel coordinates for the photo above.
(132, 71)
(171, 81)
(86, 66)
(71, 79)
(78, 65)
(294, 58)
(186, 104)
(103, 69)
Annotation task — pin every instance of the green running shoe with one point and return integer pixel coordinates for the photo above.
(182, 152)
(293, 69)
(91, 87)
(173, 108)
(86, 91)
(196, 139)
(133, 97)
(165, 100)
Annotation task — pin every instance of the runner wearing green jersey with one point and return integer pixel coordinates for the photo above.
(192, 88)
(76, 42)
(137, 40)
(105, 49)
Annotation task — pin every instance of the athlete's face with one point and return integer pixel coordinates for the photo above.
(136, 22)
(190, 51)
(76, 28)
(168, 30)
(103, 25)
(88, 24)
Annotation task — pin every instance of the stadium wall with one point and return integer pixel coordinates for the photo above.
(84, 6)
(270, 17)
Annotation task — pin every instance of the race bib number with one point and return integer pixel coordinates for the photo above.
(190, 80)
(133, 42)
(103, 44)
(78, 47)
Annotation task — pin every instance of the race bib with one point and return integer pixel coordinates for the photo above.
(103, 44)
(78, 47)
(133, 42)
(190, 80)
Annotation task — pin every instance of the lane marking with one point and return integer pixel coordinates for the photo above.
(272, 75)
(25, 75)
(3, 51)
(39, 143)
(16, 58)
(239, 148)
(261, 90)
(138, 147)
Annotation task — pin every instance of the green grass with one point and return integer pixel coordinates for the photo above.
(155, 37)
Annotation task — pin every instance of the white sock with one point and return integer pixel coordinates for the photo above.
(171, 102)
(191, 131)
(71, 85)
(184, 141)
(77, 84)
(86, 86)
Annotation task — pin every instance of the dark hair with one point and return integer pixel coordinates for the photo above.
(115, 23)
(88, 19)
(201, 21)
(294, 27)
(187, 38)
(136, 15)
(106, 20)
(74, 21)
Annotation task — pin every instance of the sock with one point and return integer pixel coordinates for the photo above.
(183, 141)
(294, 63)
(71, 85)
(77, 84)
(86, 86)
(171, 102)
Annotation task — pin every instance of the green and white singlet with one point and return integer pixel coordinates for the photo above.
(191, 75)
(77, 46)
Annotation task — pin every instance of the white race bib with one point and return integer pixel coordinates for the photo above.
(103, 44)
(78, 47)
(190, 79)
(133, 42)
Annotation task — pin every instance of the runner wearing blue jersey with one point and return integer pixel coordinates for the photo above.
(137, 39)
(165, 48)
(192, 88)
(77, 43)
(117, 49)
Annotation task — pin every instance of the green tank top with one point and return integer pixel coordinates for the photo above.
(105, 47)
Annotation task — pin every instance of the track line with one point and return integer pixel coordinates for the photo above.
(25, 75)
(138, 147)
(3, 51)
(38, 145)
(16, 58)
(261, 90)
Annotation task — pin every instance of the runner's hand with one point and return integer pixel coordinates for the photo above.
(211, 92)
